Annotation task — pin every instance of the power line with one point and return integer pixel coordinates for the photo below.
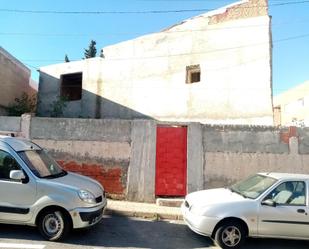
(292, 38)
(140, 12)
(100, 12)
(289, 3)
(139, 34)
(166, 31)
(193, 53)
(198, 0)
(28, 65)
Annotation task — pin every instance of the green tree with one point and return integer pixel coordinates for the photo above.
(91, 51)
(24, 104)
(58, 106)
(66, 58)
(102, 54)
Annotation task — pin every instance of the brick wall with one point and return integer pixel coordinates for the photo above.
(252, 8)
(112, 178)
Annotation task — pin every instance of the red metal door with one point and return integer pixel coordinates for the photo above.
(171, 161)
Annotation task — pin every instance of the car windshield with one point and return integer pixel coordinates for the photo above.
(253, 186)
(41, 164)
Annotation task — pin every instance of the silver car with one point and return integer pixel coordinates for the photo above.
(35, 191)
(272, 205)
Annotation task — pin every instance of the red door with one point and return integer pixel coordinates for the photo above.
(171, 161)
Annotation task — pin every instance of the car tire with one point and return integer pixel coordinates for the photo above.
(54, 225)
(230, 235)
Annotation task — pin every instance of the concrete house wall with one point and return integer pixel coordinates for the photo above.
(146, 77)
(14, 79)
(50, 84)
(293, 106)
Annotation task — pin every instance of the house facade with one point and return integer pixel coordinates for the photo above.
(212, 68)
(291, 108)
(14, 80)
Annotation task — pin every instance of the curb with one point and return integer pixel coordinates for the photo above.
(146, 215)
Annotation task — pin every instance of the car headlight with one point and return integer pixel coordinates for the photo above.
(86, 196)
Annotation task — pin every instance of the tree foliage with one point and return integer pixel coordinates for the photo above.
(24, 104)
(102, 54)
(66, 58)
(91, 51)
(58, 106)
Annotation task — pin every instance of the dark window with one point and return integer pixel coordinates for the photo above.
(71, 86)
(193, 74)
(289, 193)
(7, 163)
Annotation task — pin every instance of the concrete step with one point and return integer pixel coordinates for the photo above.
(143, 210)
(169, 202)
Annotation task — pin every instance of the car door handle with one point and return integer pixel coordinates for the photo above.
(301, 211)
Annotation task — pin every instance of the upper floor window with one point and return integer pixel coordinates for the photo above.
(193, 74)
(71, 86)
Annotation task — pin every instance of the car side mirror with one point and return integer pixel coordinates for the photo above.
(17, 175)
(269, 202)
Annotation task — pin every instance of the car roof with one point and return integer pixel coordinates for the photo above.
(18, 144)
(286, 176)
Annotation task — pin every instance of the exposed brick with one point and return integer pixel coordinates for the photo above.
(292, 131)
(285, 136)
(252, 8)
(110, 178)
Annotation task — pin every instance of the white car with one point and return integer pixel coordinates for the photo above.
(272, 205)
(35, 191)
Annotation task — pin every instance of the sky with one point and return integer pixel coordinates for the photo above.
(40, 39)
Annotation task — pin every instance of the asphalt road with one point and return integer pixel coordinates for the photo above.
(121, 232)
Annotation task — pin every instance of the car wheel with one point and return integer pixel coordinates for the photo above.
(53, 225)
(230, 235)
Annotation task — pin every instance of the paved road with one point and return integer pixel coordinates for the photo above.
(120, 232)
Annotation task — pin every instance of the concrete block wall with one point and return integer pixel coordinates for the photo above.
(96, 148)
(141, 177)
(234, 152)
(12, 124)
(121, 154)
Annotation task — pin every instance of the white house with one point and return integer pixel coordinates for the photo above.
(212, 68)
(291, 107)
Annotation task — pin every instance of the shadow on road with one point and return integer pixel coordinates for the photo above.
(122, 232)
(136, 233)
(119, 232)
(276, 244)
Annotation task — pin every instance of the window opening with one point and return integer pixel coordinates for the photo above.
(193, 74)
(71, 86)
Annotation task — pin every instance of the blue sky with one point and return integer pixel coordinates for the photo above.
(43, 39)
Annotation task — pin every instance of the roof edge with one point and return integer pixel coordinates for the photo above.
(12, 58)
